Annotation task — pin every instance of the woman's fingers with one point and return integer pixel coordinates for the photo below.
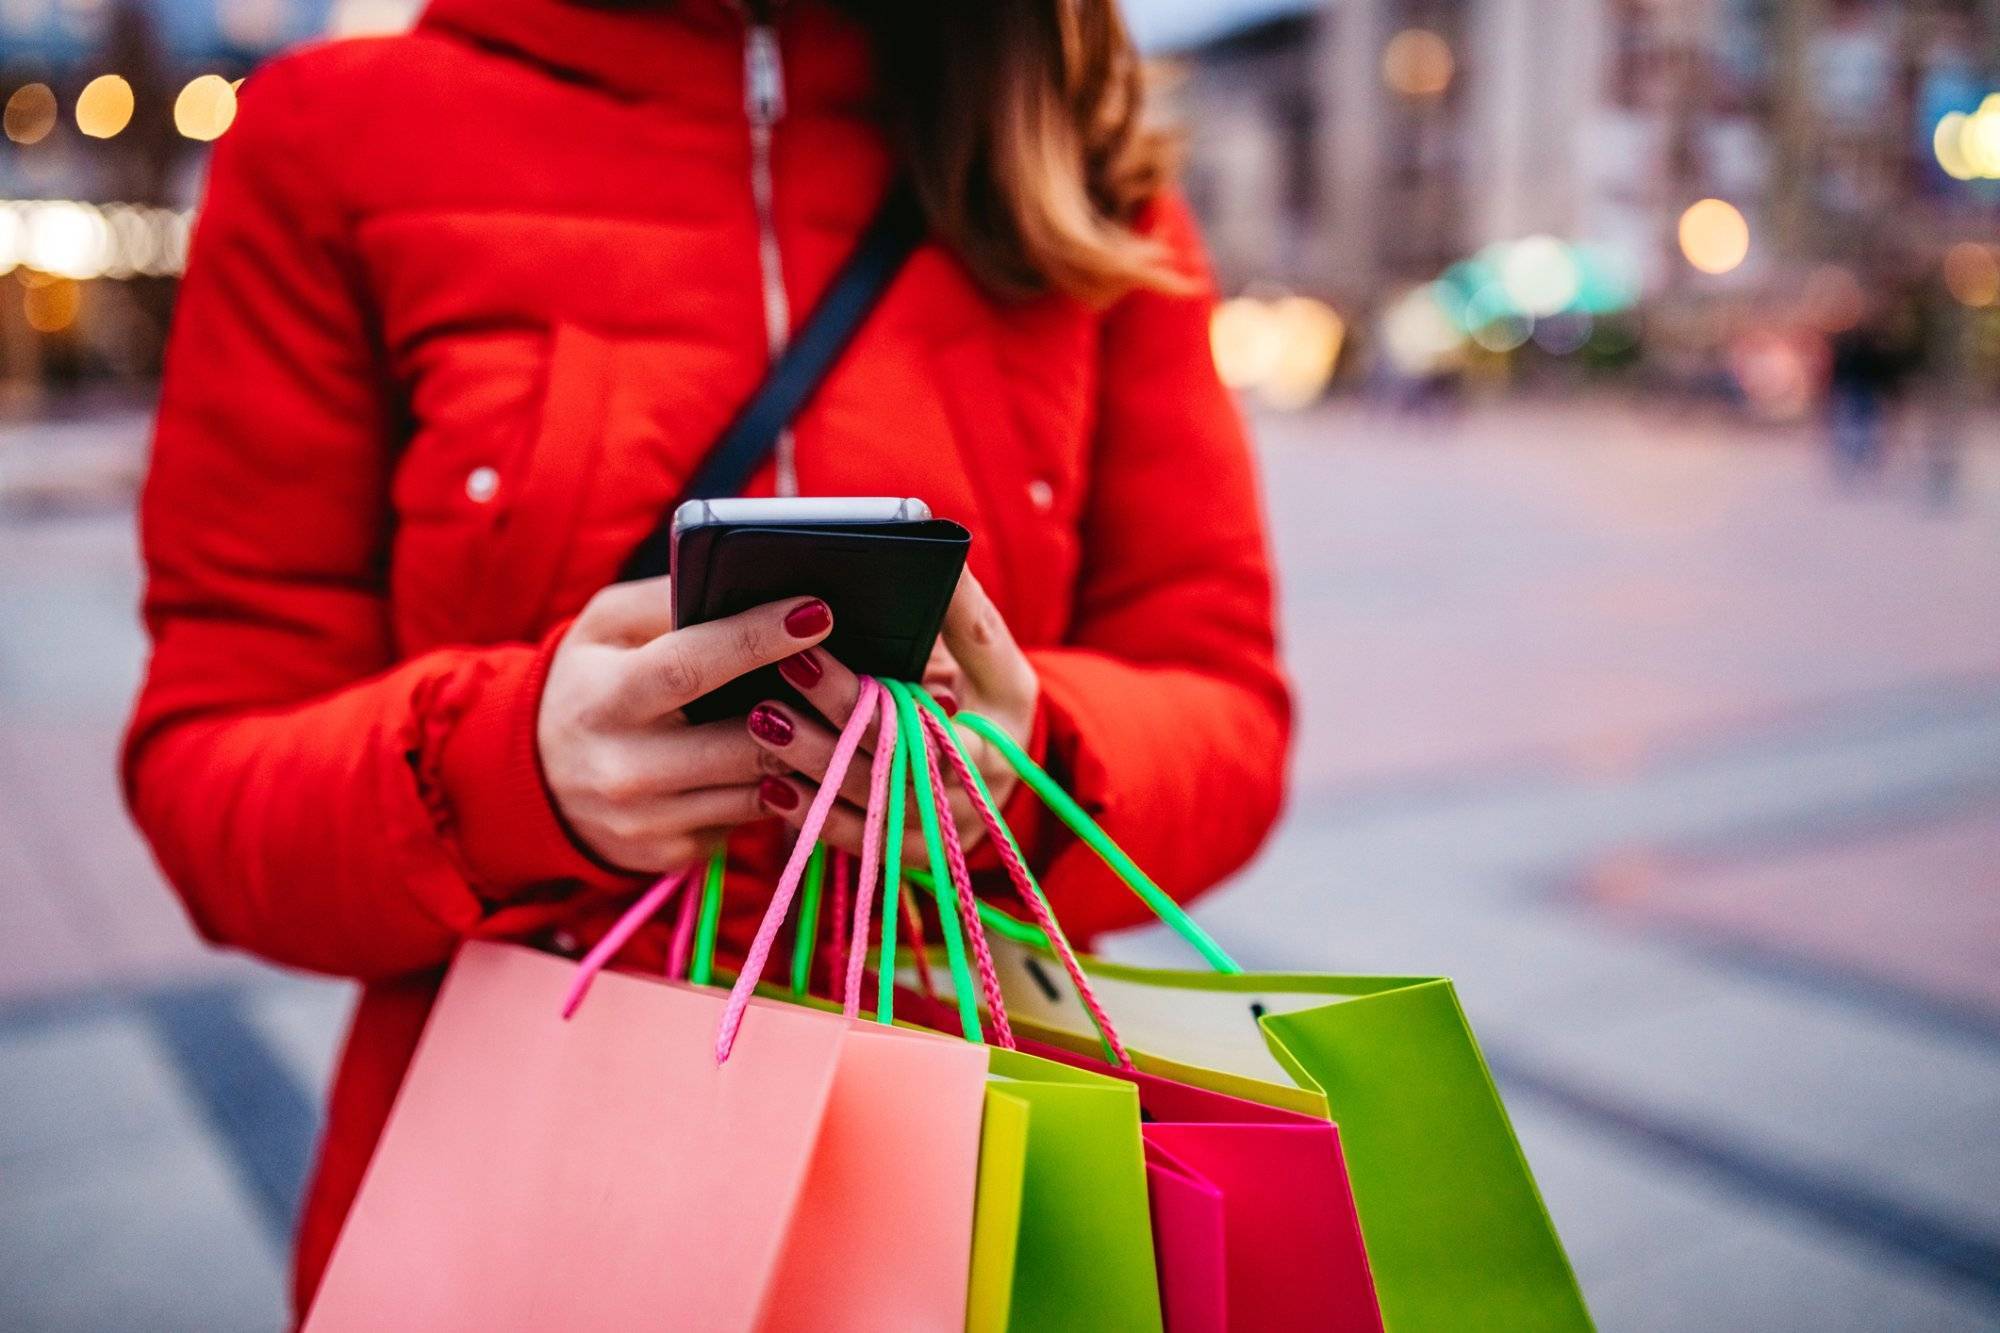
(804, 746)
(790, 796)
(827, 685)
(675, 669)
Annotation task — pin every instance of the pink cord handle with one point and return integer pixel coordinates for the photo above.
(788, 883)
(1024, 884)
(637, 915)
(871, 859)
(961, 880)
(841, 872)
(682, 948)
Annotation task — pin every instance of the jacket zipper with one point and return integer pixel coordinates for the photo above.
(764, 104)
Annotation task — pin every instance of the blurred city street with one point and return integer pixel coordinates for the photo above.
(1684, 761)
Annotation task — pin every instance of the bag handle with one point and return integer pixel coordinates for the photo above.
(961, 877)
(892, 237)
(937, 726)
(885, 770)
(1092, 834)
(802, 850)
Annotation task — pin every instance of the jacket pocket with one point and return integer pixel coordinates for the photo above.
(534, 536)
(488, 495)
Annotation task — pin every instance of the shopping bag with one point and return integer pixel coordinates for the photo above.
(552, 1163)
(1289, 1245)
(1189, 1245)
(996, 1216)
(1456, 1231)
(606, 1172)
(1084, 1258)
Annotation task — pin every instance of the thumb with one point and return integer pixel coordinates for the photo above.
(978, 637)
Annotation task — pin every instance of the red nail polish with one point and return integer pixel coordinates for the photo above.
(808, 618)
(801, 670)
(777, 794)
(767, 724)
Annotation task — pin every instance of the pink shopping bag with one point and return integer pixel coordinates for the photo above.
(1251, 1199)
(607, 1172)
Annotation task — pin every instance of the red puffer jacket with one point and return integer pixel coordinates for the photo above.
(464, 308)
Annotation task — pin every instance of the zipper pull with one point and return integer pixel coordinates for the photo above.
(763, 75)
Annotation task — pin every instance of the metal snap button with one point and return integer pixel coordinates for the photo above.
(1041, 495)
(482, 484)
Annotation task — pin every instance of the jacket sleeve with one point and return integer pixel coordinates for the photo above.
(310, 798)
(1164, 711)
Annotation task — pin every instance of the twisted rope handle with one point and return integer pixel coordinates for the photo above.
(683, 944)
(627, 925)
(871, 859)
(961, 878)
(802, 850)
(939, 727)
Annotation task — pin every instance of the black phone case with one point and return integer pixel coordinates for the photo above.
(888, 584)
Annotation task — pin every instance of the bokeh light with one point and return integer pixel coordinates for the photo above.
(1714, 236)
(1967, 144)
(1284, 349)
(1564, 333)
(51, 304)
(1420, 336)
(1417, 63)
(1244, 340)
(1972, 274)
(104, 107)
(30, 113)
(1947, 142)
(1540, 276)
(206, 108)
(66, 239)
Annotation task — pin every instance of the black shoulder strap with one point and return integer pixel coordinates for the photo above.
(797, 373)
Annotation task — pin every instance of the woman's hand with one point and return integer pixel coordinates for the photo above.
(977, 666)
(638, 786)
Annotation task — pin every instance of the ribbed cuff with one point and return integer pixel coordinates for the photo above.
(504, 820)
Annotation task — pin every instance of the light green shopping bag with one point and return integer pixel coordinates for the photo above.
(996, 1216)
(1457, 1234)
(1456, 1231)
(1085, 1253)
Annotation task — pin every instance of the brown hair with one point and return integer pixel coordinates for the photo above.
(1022, 125)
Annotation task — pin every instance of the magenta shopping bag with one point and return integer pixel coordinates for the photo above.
(1291, 1254)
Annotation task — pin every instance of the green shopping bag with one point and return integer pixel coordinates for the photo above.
(1085, 1252)
(1456, 1230)
(996, 1215)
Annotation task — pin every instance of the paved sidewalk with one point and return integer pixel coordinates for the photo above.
(1684, 764)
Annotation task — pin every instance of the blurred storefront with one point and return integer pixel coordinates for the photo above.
(1711, 196)
(109, 110)
(1714, 197)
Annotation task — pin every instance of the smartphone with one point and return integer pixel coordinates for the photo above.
(886, 566)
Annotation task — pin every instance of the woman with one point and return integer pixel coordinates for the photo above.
(464, 309)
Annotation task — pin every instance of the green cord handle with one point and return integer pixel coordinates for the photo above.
(1065, 808)
(702, 969)
(807, 938)
(910, 735)
(995, 920)
(892, 879)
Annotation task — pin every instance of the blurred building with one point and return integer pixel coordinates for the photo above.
(1776, 168)
(1714, 191)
